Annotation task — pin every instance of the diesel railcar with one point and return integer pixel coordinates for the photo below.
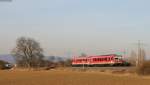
(100, 60)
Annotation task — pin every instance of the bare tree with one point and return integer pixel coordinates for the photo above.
(132, 58)
(83, 55)
(28, 52)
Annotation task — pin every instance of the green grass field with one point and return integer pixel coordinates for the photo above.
(67, 78)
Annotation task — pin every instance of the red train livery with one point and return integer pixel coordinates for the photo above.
(112, 60)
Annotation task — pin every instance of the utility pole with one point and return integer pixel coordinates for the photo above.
(83, 66)
(139, 54)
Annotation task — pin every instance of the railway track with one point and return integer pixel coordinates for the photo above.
(103, 68)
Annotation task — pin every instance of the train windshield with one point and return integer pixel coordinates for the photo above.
(118, 57)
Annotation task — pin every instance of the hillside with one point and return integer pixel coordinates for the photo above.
(7, 58)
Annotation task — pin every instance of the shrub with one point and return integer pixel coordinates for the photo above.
(144, 69)
(2, 64)
(5, 65)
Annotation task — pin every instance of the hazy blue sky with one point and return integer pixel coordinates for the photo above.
(75, 26)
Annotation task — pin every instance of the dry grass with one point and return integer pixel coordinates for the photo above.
(66, 78)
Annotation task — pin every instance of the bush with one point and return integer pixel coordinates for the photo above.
(5, 65)
(2, 64)
(144, 69)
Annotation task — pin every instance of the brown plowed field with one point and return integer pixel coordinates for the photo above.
(67, 78)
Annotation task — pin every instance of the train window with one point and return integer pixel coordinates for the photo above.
(105, 59)
(109, 59)
(116, 58)
(100, 59)
(96, 59)
(86, 60)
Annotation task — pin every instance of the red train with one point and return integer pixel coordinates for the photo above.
(100, 60)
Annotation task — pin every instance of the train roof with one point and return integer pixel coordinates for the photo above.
(96, 56)
(107, 55)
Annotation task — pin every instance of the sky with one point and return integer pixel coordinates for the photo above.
(72, 27)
